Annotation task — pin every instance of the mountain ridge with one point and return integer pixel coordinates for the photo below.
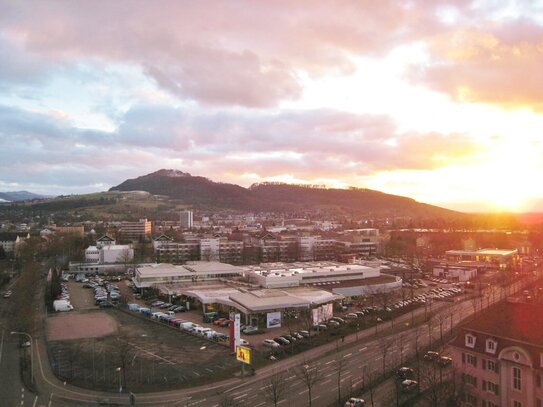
(201, 192)
(17, 196)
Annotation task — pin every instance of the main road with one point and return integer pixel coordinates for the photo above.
(360, 354)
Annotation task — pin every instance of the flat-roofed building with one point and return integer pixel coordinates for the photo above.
(9, 241)
(501, 258)
(277, 275)
(136, 230)
(149, 275)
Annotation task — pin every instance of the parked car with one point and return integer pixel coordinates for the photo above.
(225, 323)
(180, 308)
(409, 385)
(404, 373)
(355, 402)
(290, 338)
(250, 330)
(270, 343)
(444, 361)
(219, 321)
(305, 334)
(430, 356)
(244, 342)
(333, 323)
(320, 327)
(282, 341)
(157, 303)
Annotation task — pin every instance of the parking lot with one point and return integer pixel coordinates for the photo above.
(139, 353)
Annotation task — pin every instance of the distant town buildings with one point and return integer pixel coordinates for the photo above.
(9, 241)
(136, 230)
(186, 220)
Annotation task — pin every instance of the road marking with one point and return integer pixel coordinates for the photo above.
(35, 401)
(315, 398)
(347, 355)
(363, 349)
(302, 392)
(260, 404)
(329, 374)
(332, 361)
(326, 381)
(240, 396)
(2, 345)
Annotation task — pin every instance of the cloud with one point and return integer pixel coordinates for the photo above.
(499, 63)
(218, 53)
(309, 145)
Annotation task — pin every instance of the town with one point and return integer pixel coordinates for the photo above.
(290, 305)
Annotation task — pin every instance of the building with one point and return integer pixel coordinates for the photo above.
(177, 253)
(9, 241)
(499, 356)
(149, 275)
(136, 230)
(502, 259)
(186, 219)
(105, 241)
(76, 231)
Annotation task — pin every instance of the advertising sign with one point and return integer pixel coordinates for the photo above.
(243, 354)
(322, 313)
(234, 331)
(273, 320)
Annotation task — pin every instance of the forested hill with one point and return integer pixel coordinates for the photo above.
(200, 192)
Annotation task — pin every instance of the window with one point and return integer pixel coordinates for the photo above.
(471, 399)
(538, 403)
(472, 360)
(517, 403)
(538, 380)
(470, 340)
(517, 385)
(469, 379)
(491, 345)
(491, 365)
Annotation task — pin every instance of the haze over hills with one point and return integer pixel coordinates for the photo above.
(16, 196)
(200, 192)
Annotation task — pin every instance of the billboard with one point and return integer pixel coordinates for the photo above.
(235, 321)
(273, 320)
(322, 313)
(243, 354)
(234, 331)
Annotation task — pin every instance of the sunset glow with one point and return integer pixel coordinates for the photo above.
(438, 101)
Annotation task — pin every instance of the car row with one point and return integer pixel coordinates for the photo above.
(7, 294)
(285, 340)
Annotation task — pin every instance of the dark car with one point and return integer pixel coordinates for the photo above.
(290, 338)
(180, 308)
(404, 373)
(444, 361)
(430, 356)
(281, 341)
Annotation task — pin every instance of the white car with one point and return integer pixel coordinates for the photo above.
(270, 343)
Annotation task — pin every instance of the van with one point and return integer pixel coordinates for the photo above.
(188, 326)
(62, 305)
(210, 334)
(134, 307)
(201, 330)
(157, 315)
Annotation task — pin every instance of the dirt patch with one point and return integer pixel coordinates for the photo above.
(69, 326)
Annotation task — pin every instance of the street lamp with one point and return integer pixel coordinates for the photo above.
(31, 353)
(120, 370)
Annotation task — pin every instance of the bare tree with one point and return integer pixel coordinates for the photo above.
(276, 387)
(125, 353)
(401, 341)
(441, 319)
(371, 380)
(309, 375)
(339, 367)
(384, 346)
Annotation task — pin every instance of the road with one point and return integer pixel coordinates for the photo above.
(364, 354)
(12, 390)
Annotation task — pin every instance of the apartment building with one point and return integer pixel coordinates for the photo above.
(186, 219)
(136, 230)
(499, 357)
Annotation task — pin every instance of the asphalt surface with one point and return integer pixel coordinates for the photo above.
(361, 352)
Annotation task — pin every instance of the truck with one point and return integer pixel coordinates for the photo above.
(62, 305)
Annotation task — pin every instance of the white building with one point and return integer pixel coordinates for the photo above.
(280, 275)
(92, 254)
(210, 249)
(186, 219)
(149, 275)
(116, 254)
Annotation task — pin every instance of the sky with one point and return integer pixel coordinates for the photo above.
(440, 101)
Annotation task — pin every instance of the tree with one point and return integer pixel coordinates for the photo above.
(371, 380)
(125, 353)
(384, 346)
(309, 375)
(276, 387)
(339, 367)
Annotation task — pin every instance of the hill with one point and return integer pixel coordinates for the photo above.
(16, 196)
(202, 193)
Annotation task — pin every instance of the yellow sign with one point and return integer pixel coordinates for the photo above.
(243, 354)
